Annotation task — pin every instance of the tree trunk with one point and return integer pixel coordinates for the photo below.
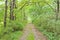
(12, 6)
(57, 13)
(13, 9)
(10, 9)
(5, 16)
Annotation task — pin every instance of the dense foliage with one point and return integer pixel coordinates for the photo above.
(13, 28)
(42, 13)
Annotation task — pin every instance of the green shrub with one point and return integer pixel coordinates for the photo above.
(48, 26)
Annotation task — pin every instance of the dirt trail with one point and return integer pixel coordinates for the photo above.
(37, 35)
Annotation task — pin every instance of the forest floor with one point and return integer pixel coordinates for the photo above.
(31, 33)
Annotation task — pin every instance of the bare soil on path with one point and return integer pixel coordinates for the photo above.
(37, 35)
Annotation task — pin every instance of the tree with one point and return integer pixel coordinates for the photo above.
(12, 7)
(5, 16)
(57, 10)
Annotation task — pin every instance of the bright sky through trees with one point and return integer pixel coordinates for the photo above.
(1, 2)
(29, 19)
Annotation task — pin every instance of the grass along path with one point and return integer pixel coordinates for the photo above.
(30, 33)
(30, 36)
(12, 36)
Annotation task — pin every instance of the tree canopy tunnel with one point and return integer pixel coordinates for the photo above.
(44, 14)
(31, 10)
(34, 10)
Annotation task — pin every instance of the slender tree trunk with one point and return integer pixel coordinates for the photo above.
(5, 16)
(12, 7)
(11, 10)
(57, 13)
(12, 14)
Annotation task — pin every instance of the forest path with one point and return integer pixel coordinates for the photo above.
(30, 29)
